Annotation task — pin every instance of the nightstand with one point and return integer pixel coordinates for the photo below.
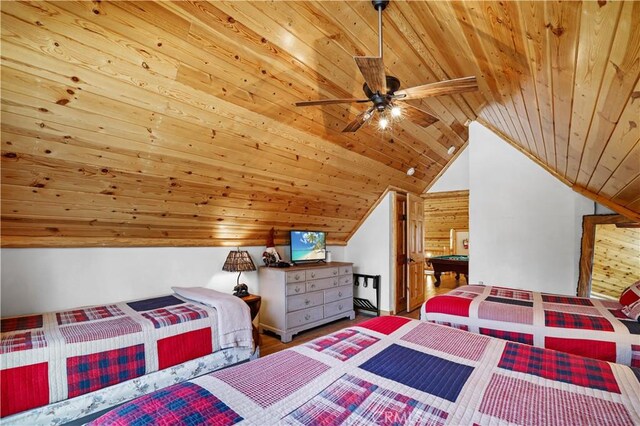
(254, 301)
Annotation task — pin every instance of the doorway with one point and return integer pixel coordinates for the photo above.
(400, 255)
(410, 287)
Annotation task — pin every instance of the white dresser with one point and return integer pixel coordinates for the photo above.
(301, 297)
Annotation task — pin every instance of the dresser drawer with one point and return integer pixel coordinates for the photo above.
(314, 274)
(334, 294)
(335, 308)
(346, 270)
(345, 280)
(316, 285)
(296, 288)
(296, 276)
(307, 300)
(296, 319)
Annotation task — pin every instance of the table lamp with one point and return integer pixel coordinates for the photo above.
(239, 261)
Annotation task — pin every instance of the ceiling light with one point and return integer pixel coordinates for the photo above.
(383, 123)
(396, 111)
(451, 150)
(411, 171)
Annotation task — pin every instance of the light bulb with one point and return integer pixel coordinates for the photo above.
(367, 116)
(383, 123)
(411, 171)
(396, 111)
(451, 150)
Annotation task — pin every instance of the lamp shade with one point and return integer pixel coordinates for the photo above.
(238, 261)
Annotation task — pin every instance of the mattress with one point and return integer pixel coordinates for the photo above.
(56, 356)
(588, 327)
(392, 370)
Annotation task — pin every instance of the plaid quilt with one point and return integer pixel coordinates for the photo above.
(588, 327)
(394, 371)
(54, 356)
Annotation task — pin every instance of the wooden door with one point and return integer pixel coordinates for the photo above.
(415, 263)
(401, 252)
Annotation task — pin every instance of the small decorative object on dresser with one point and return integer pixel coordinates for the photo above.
(303, 297)
(239, 261)
(270, 257)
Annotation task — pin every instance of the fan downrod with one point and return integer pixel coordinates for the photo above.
(379, 4)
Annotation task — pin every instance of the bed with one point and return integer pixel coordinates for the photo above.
(392, 370)
(588, 327)
(61, 366)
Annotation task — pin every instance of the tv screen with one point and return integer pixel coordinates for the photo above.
(308, 246)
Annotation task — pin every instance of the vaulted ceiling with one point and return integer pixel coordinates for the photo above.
(172, 123)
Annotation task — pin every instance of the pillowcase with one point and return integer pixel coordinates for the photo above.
(633, 310)
(630, 294)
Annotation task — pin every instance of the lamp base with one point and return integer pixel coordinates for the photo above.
(241, 290)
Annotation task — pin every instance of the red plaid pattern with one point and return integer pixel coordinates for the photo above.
(452, 325)
(511, 293)
(568, 300)
(100, 330)
(431, 336)
(635, 356)
(175, 315)
(21, 323)
(181, 404)
(566, 320)
(88, 314)
(343, 344)
(518, 401)
(87, 373)
(23, 341)
(559, 366)
(512, 336)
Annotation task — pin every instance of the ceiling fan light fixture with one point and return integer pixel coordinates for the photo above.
(411, 171)
(451, 150)
(383, 123)
(396, 111)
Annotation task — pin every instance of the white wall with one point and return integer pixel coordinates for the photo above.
(47, 279)
(525, 225)
(456, 177)
(370, 250)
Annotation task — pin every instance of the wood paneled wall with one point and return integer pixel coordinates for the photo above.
(442, 212)
(616, 260)
(172, 123)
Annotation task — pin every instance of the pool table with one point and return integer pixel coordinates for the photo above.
(452, 263)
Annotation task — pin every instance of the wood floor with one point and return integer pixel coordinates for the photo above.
(270, 343)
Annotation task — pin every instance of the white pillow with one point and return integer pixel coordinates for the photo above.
(633, 310)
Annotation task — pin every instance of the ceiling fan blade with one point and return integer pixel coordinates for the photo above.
(447, 87)
(360, 119)
(330, 102)
(416, 115)
(372, 70)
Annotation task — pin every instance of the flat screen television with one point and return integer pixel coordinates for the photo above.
(308, 246)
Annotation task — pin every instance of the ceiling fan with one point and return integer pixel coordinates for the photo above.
(383, 90)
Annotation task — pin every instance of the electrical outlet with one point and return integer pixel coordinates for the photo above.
(481, 282)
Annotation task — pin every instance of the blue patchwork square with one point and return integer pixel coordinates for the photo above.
(421, 371)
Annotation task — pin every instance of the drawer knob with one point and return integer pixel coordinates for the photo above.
(306, 317)
(297, 277)
(313, 275)
(313, 286)
(297, 289)
(307, 301)
(339, 294)
(335, 272)
(339, 307)
(335, 283)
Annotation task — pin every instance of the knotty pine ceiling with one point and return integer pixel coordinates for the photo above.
(172, 123)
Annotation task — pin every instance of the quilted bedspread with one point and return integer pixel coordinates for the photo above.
(393, 370)
(589, 327)
(50, 357)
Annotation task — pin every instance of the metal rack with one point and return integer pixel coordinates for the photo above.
(365, 304)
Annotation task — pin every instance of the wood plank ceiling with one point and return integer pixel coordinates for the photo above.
(172, 123)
